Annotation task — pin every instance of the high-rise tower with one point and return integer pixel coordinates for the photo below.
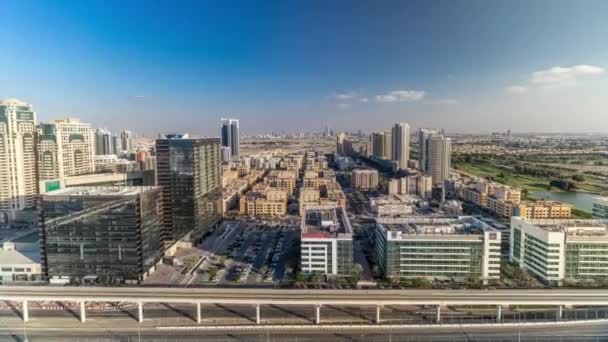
(65, 148)
(18, 183)
(401, 144)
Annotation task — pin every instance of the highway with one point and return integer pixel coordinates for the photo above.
(306, 297)
(580, 333)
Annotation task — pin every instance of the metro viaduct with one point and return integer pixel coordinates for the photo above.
(559, 298)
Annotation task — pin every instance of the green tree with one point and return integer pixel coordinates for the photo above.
(356, 272)
(421, 283)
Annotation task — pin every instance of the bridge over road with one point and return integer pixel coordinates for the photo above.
(559, 298)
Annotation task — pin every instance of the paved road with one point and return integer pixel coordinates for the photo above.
(580, 333)
(308, 297)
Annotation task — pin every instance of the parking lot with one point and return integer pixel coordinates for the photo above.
(249, 253)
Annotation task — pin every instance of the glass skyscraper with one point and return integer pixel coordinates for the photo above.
(189, 170)
(111, 233)
(231, 135)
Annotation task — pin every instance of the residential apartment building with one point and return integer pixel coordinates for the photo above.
(439, 159)
(401, 144)
(264, 201)
(555, 250)
(326, 241)
(437, 247)
(18, 180)
(282, 179)
(394, 205)
(542, 210)
(364, 179)
(423, 148)
(65, 148)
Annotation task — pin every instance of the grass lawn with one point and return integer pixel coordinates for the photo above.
(529, 183)
(510, 178)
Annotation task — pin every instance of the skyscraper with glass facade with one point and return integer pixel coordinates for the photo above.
(190, 173)
(231, 135)
(107, 234)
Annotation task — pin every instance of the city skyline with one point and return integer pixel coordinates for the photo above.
(448, 65)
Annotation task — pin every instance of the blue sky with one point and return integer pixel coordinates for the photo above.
(466, 66)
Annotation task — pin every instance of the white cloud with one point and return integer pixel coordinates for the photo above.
(345, 96)
(342, 105)
(563, 75)
(364, 99)
(516, 89)
(401, 96)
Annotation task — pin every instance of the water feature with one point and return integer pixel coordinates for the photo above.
(580, 200)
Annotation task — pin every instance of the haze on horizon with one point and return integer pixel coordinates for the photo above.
(464, 66)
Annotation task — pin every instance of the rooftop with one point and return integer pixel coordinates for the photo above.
(101, 191)
(326, 222)
(12, 102)
(424, 225)
(572, 227)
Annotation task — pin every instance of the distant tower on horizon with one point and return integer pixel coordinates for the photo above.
(401, 144)
(231, 136)
(439, 159)
(126, 140)
(423, 147)
(104, 142)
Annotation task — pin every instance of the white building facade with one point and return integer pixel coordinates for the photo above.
(18, 183)
(65, 148)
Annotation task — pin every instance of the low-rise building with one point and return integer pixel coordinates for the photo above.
(326, 241)
(437, 247)
(555, 250)
(542, 210)
(264, 200)
(394, 205)
(364, 179)
(18, 266)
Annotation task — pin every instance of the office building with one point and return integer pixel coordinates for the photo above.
(104, 142)
(190, 172)
(231, 135)
(18, 183)
(555, 250)
(65, 148)
(439, 159)
(106, 234)
(423, 148)
(437, 247)
(126, 141)
(600, 207)
(326, 241)
(401, 144)
(364, 179)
